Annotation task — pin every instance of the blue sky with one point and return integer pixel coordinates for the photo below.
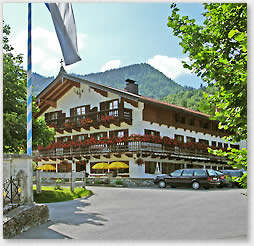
(110, 35)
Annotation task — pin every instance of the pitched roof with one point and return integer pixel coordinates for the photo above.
(64, 82)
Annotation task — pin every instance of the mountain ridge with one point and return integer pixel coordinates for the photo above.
(151, 82)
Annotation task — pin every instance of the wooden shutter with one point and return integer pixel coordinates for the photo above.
(72, 111)
(103, 106)
(126, 132)
(47, 116)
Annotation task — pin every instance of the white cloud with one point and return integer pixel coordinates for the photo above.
(172, 67)
(46, 51)
(110, 65)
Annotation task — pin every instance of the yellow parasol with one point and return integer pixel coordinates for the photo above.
(117, 165)
(101, 165)
(47, 167)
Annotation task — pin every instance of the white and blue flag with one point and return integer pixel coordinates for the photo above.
(63, 19)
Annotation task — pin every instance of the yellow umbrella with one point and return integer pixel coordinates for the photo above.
(47, 167)
(101, 165)
(117, 165)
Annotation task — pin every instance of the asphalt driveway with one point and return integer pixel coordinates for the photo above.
(148, 214)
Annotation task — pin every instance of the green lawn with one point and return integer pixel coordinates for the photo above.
(50, 194)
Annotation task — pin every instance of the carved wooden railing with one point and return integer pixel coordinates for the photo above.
(135, 146)
(103, 117)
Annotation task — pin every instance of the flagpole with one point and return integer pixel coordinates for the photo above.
(29, 83)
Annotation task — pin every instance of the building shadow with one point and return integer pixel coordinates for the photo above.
(61, 214)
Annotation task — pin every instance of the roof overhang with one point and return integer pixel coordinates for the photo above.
(64, 82)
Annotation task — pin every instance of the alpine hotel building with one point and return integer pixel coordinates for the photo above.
(96, 123)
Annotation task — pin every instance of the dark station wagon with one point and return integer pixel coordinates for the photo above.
(194, 178)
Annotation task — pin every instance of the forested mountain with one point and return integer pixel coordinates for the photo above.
(39, 82)
(152, 83)
(193, 99)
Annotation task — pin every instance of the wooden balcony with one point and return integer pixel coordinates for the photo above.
(145, 149)
(92, 119)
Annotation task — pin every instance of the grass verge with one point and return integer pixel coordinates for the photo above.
(50, 194)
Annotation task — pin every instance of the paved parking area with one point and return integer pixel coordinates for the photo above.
(148, 214)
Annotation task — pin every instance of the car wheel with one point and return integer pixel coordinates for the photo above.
(162, 184)
(206, 187)
(195, 185)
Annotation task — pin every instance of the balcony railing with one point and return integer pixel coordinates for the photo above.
(156, 149)
(94, 119)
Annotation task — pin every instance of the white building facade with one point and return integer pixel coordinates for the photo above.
(95, 123)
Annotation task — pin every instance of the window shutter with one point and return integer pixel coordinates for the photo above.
(102, 106)
(72, 111)
(47, 117)
(126, 132)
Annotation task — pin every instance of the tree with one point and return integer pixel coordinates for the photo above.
(218, 54)
(14, 104)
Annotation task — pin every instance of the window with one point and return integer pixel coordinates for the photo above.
(191, 140)
(219, 145)
(179, 138)
(98, 135)
(214, 143)
(150, 167)
(64, 139)
(81, 110)
(176, 173)
(80, 138)
(200, 173)
(53, 115)
(211, 172)
(113, 104)
(152, 132)
(113, 107)
(225, 145)
(187, 173)
(235, 146)
(118, 133)
(203, 141)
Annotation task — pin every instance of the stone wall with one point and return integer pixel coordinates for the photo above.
(126, 182)
(20, 166)
(135, 182)
(23, 218)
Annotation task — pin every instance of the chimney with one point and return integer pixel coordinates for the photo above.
(131, 86)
